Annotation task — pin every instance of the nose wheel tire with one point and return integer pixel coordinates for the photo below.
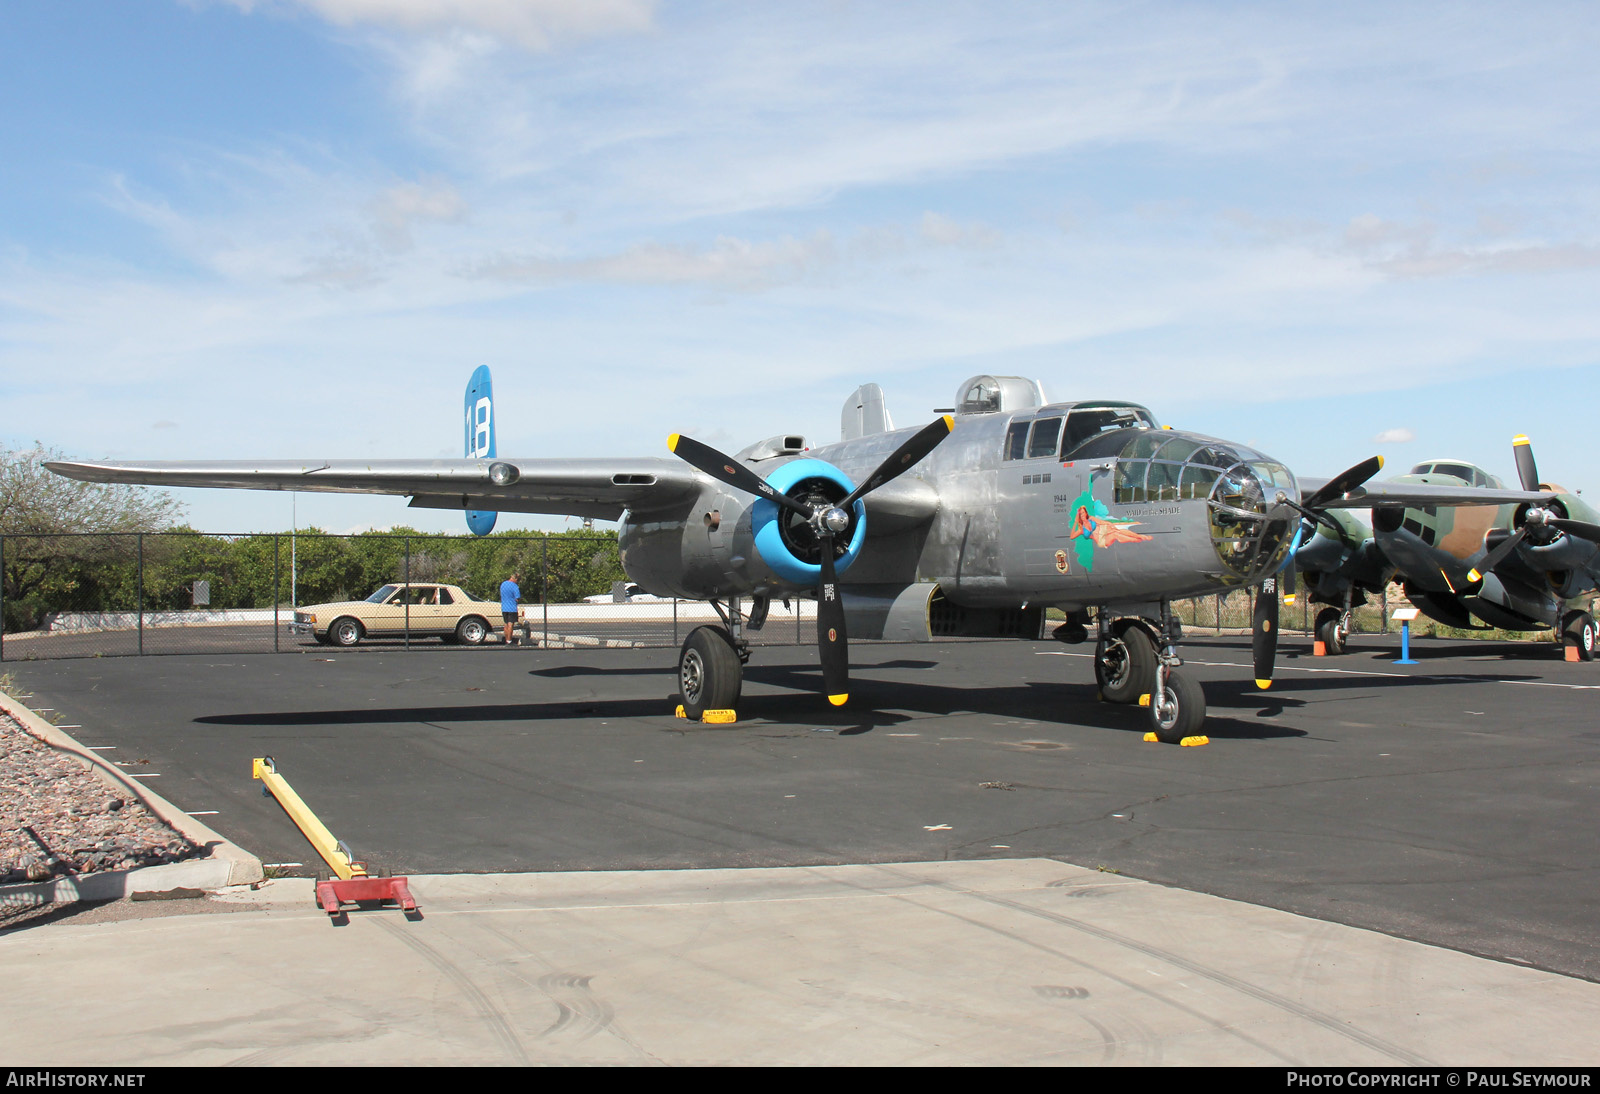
(1579, 631)
(1179, 709)
(1333, 629)
(1125, 664)
(710, 674)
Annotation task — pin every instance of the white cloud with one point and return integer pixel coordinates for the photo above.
(1395, 436)
(532, 24)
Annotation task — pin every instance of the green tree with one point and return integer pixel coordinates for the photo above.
(69, 544)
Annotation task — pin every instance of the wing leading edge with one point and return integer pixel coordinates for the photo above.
(1417, 495)
(602, 489)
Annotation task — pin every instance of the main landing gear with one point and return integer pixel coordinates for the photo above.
(711, 662)
(1136, 661)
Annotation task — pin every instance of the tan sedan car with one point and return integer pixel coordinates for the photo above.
(422, 609)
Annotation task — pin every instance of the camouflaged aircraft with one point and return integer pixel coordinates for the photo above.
(1003, 507)
(1516, 566)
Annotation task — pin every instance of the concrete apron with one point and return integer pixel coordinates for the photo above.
(989, 962)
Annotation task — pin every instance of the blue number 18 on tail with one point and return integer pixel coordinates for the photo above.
(480, 438)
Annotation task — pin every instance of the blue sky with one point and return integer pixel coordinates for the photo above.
(292, 228)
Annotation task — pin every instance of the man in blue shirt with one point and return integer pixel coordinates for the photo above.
(510, 593)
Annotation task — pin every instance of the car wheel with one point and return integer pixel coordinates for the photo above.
(345, 632)
(472, 631)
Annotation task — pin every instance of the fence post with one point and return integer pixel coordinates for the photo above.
(276, 581)
(139, 567)
(408, 592)
(544, 586)
(2, 598)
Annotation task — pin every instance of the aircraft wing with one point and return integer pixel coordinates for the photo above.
(1419, 495)
(580, 487)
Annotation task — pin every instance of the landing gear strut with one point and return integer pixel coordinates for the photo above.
(711, 662)
(1333, 630)
(1177, 703)
(1137, 661)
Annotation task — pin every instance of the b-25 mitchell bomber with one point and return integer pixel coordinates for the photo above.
(973, 525)
(1516, 566)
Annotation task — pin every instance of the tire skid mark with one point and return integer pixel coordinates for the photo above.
(576, 1006)
(1273, 999)
(590, 1008)
(1227, 980)
(491, 1015)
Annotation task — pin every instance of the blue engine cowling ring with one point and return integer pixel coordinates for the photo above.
(769, 540)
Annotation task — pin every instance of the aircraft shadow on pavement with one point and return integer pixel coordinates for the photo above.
(1237, 709)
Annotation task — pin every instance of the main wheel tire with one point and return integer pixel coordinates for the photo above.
(1333, 630)
(1179, 710)
(1125, 664)
(346, 632)
(1579, 629)
(472, 631)
(710, 675)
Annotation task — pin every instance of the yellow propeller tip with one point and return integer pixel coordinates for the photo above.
(1263, 684)
(949, 422)
(1520, 438)
(672, 442)
(1474, 575)
(1380, 463)
(838, 700)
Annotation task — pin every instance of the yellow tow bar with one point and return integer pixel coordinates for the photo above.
(353, 884)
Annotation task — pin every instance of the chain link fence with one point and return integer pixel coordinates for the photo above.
(100, 595)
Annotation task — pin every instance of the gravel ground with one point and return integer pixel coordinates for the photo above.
(59, 818)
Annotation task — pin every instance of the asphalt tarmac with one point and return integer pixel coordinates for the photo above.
(1450, 802)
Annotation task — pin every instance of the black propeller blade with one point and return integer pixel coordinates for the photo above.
(1264, 631)
(1343, 483)
(1581, 529)
(702, 457)
(833, 647)
(1527, 470)
(925, 440)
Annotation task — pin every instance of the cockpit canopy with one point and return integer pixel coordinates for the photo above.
(1466, 472)
(1066, 430)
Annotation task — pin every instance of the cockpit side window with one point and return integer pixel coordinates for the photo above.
(1017, 440)
(1046, 432)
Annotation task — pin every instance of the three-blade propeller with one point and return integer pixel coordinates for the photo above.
(1312, 510)
(827, 521)
(1535, 521)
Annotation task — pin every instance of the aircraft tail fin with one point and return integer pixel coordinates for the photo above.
(864, 414)
(480, 438)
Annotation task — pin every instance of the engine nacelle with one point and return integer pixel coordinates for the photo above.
(786, 541)
(728, 543)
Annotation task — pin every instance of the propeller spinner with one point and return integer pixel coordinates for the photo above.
(827, 520)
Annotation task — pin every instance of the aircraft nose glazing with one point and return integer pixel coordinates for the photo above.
(1250, 529)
